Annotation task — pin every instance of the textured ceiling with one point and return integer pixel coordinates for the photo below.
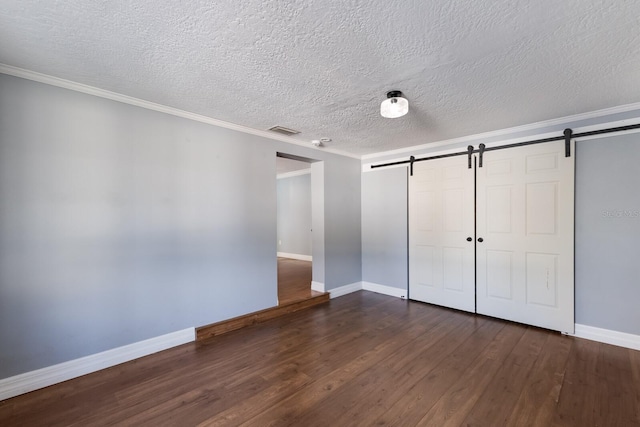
(323, 67)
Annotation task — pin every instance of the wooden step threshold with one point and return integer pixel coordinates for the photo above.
(224, 326)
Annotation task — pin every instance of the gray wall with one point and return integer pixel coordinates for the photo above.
(119, 224)
(384, 227)
(607, 228)
(608, 232)
(342, 237)
(294, 214)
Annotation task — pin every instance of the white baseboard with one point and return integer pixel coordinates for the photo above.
(608, 336)
(30, 381)
(295, 256)
(346, 289)
(385, 290)
(317, 286)
(367, 286)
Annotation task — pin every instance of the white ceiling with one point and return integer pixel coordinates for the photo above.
(324, 66)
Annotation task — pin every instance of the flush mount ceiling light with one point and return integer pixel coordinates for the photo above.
(395, 105)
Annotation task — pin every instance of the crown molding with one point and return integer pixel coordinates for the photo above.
(512, 130)
(125, 99)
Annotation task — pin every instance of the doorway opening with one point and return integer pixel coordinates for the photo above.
(295, 248)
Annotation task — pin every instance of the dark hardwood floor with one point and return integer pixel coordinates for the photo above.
(294, 280)
(363, 359)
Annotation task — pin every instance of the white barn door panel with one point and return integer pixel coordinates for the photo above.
(525, 211)
(441, 220)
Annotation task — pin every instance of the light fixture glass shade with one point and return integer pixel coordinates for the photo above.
(393, 107)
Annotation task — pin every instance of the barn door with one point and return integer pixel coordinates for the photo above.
(441, 231)
(525, 207)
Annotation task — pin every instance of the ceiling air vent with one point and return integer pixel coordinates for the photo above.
(283, 130)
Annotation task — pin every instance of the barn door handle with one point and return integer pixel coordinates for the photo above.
(480, 239)
(469, 239)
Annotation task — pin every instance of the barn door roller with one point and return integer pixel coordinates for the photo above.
(567, 142)
(481, 151)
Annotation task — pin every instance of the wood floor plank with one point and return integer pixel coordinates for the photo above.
(258, 403)
(616, 397)
(367, 381)
(174, 400)
(541, 391)
(334, 376)
(598, 388)
(579, 394)
(495, 402)
(440, 370)
(455, 403)
(403, 368)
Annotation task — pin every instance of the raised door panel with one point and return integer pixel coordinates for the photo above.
(441, 218)
(525, 219)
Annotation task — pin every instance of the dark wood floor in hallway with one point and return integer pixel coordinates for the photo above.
(363, 359)
(294, 280)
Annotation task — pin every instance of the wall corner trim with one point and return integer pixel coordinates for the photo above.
(299, 257)
(607, 336)
(385, 290)
(34, 380)
(346, 289)
(317, 286)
